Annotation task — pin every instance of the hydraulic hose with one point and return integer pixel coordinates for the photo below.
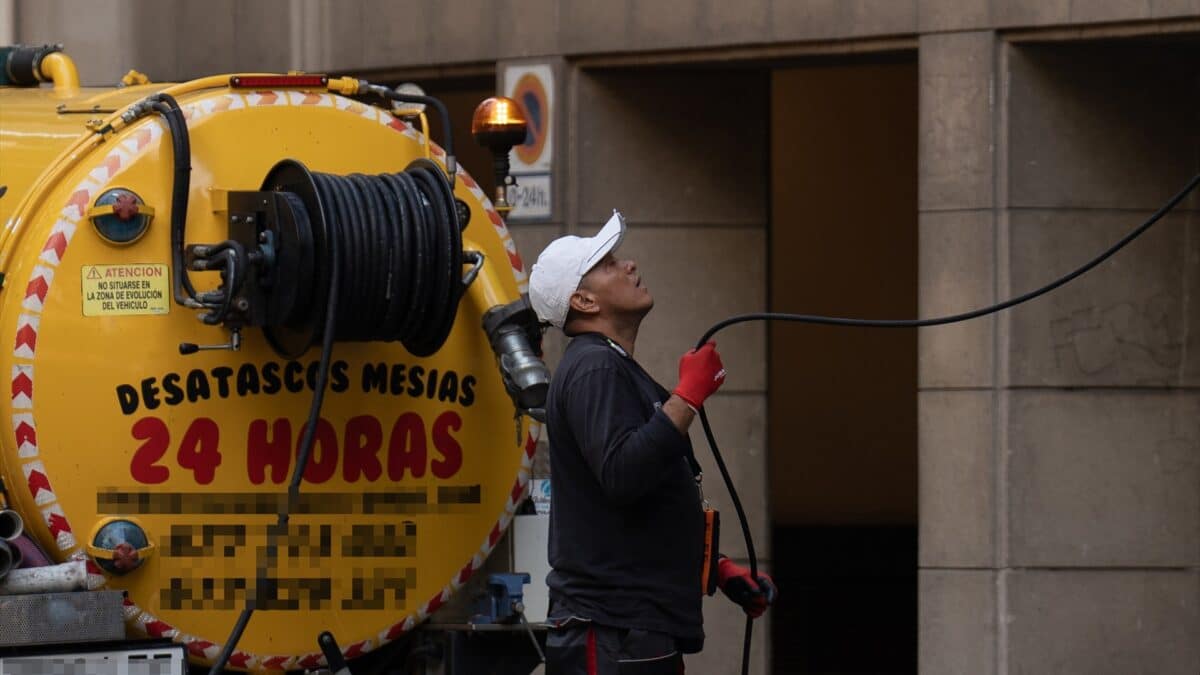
(896, 323)
(168, 107)
(443, 113)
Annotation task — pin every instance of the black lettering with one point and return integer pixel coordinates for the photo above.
(431, 384)
(170, 384)
(415, 386)
(291, 376)
(127, 398)
(270, 376)
(397, 379)
(247, 379)
(149, 393)
(197, 386)
(374, 376)
(338, 380)
(448, 390)
(468, 391)
(222, 373)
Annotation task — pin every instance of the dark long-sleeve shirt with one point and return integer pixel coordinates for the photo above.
(626, 525)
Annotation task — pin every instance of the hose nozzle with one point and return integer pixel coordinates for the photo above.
(516, 340)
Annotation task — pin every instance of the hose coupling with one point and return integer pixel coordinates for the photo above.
(517, 341)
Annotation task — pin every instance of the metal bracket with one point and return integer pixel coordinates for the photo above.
(477, 258)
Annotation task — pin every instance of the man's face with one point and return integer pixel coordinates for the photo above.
(617, 287)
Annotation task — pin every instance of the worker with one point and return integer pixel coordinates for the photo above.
(627, 524)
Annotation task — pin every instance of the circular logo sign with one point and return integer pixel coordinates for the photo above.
(530, 94)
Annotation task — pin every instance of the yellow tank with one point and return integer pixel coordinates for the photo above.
(113, 433)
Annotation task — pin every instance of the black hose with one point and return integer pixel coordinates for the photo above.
(443, 113)
(896, 323)
(975, 313)
(168, 107)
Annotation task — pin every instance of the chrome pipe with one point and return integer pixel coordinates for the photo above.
(11, 524)
(6, 559)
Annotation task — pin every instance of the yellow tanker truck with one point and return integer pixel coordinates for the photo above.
(208, 285)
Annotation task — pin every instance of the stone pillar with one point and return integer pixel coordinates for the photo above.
(956, 364)
(1060, 442)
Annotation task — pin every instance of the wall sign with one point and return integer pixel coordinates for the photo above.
(532, 87)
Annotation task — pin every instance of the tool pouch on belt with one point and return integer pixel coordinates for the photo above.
(712, 532)
(712, 536)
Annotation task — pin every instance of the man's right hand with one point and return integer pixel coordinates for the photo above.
(700, 375)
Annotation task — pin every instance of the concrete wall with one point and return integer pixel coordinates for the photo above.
(176, 40)
(1060, 443)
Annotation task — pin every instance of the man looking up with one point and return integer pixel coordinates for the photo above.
(627, 526)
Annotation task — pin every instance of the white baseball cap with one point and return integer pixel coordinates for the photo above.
(561, 266)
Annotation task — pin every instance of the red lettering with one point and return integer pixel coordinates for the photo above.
(262, 452)
(325, 447)
(198, 450)
(447, 445)
(408, 452)
(364, 438)
(157, 437)
(406, 447)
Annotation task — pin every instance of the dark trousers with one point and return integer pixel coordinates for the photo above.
(584, 648)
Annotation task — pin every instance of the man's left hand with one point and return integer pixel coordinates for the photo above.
(736, 583)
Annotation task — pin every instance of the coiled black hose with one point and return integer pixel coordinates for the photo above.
(402, 235)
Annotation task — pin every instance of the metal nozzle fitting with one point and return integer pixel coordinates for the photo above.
(516, 339)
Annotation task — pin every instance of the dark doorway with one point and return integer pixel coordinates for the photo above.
(842, 407)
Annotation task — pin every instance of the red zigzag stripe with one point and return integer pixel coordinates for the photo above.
(38, 482)
(26, 433)
(27, 336)
(21, 384)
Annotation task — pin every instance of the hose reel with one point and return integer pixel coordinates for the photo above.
(402, 259)
(402, 269)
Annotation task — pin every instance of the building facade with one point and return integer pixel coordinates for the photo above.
(1015, 494)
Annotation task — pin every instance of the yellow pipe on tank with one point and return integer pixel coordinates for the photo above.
(60, 69)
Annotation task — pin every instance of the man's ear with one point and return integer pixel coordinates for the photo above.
(583, 301)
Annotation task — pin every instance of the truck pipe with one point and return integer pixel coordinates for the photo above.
(64, 578)
(11, 524)
(6, 559)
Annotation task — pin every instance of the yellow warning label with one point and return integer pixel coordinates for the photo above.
(114, 290)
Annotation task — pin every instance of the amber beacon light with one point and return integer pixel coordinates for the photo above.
(498, 125)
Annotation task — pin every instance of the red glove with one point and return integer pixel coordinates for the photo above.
(754, 597)
(700, 374)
